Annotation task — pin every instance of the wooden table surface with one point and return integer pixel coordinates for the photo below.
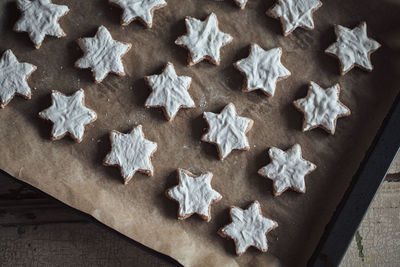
(36, 230)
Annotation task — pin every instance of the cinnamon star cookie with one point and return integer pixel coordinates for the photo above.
(203, 39)
(241, 3)
(227, 130)
(353, 48)
(263, 69)
(69, 115)
(194, 195)
(102, 54)
(40, 18)
(294, 13)
(139, 9)
(321, 108)
(131, 152)
(169, 91)
(287, 169)
(13, 76)
(248, 228)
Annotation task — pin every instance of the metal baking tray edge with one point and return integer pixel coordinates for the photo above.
(365, 183)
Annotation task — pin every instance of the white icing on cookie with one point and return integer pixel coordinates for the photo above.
(169, 91)
(139, 9)
(248, 228)
(40, 18)
(287, 169)
(102, 54)
(131, 152)
(263, 69)
(241, 3)
(321, 107)
(194, 194)
(203, 39)
(227, 130)
(295, 13)
(353, 47)
(13, 76)
(69, 115)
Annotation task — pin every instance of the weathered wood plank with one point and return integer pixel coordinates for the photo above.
(20, 205)
(36, 230)
(74, 244)
(377, 241)
(395, 167)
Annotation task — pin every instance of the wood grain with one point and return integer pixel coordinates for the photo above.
(377, 241)
(69, 244)
(36, 230)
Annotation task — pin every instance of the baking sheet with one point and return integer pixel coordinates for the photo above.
(73, 172)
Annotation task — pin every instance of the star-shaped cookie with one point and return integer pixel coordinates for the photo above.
(131, 152)
(169, 91)
(248, 228)
(102, 54)
(263, 69)
(13, 76)
(287, 169)
(227, 130)
(203, 40)
(294, 13)
(194, 195)
(69, 115)
(241, 3)
(321, 108)
(139, 9)
(353, 48)
(40, 18)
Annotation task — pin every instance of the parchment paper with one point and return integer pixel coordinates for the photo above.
(74, 174)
